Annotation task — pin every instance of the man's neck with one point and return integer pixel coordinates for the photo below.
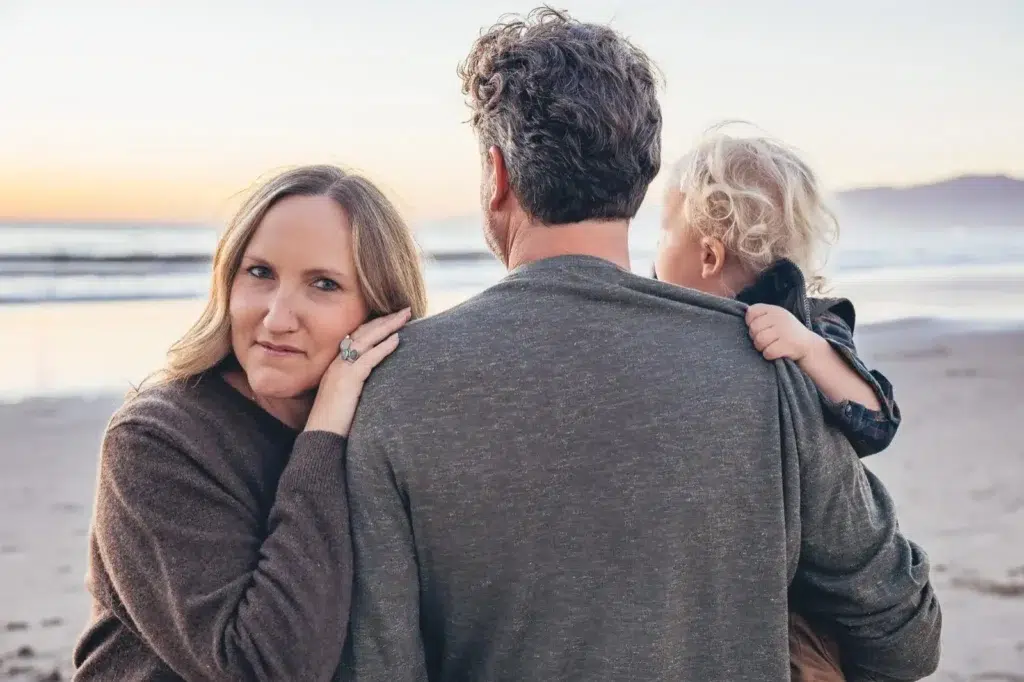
(608, 240)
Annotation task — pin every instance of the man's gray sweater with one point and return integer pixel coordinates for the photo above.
(583, 474)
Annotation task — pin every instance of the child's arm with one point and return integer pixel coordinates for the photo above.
(777, 333)
(834, 376)
(859, 399)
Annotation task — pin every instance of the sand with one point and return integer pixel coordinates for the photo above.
(956, 471)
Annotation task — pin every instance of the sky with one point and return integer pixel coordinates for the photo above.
(171, 109)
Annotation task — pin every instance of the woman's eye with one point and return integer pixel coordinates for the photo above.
(325, 284)
(258, 271)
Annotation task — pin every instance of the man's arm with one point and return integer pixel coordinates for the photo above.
(854, 569)
(384, 642)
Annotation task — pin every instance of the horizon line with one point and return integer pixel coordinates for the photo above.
(197, 223)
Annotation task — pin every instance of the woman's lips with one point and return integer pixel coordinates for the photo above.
(278, 350)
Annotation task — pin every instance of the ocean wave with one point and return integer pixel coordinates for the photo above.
(64, 263)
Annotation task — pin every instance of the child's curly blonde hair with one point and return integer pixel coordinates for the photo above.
(759, 198)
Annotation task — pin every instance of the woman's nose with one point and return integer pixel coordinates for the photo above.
(281, 317)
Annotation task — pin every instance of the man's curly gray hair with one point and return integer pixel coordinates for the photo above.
(573, 108)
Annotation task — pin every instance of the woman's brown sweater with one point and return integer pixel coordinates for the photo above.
(219, 547)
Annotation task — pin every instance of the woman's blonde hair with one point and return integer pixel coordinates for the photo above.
(759, 198)
(386, 258)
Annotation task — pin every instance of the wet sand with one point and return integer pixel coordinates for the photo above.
(956, 471)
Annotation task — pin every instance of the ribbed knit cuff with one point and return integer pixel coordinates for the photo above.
(318, 461)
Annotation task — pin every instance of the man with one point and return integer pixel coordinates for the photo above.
(582, 474)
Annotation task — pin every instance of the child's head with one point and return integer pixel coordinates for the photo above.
(733, 207)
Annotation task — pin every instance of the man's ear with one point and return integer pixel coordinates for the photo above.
(499, 187)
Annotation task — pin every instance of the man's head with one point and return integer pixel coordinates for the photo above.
(568, 121)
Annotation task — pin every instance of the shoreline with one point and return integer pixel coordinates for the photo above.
(82, 349)
(34, 281)
(73, 348)
(954, 472)
(891, 333)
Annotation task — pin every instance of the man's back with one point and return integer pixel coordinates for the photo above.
(579, 474)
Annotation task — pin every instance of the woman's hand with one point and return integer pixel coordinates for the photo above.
(342, 383)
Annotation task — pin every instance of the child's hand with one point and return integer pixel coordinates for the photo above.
(778, 334)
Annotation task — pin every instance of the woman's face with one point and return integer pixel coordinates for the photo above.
(295, 297)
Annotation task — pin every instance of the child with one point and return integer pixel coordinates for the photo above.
(745, 218)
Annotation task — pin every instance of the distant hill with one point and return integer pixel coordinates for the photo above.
(966, 201)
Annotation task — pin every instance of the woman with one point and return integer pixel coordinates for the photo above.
(220, 547)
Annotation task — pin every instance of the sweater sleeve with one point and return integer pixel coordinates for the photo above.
(853, 566)
(385, 642)
(213, 593)
(870, 431)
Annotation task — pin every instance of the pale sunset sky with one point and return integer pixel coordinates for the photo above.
(166, 110)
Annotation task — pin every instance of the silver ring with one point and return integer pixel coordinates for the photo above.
(348, 353)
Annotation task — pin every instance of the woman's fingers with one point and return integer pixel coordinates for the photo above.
(375, 355)
(343, 381)
(373, 332)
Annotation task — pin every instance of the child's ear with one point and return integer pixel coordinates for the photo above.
(712, 257)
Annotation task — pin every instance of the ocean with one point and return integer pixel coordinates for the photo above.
(93, 308)
(97, 262)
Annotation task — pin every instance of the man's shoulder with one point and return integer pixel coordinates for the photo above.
(651, 318)
(425, 343)
(799, 397)
(453, 317)
(434, 334)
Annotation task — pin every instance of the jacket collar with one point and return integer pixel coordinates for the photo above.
(783, 284)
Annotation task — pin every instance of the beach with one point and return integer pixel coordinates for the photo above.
(148, 149)
(956, 469)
